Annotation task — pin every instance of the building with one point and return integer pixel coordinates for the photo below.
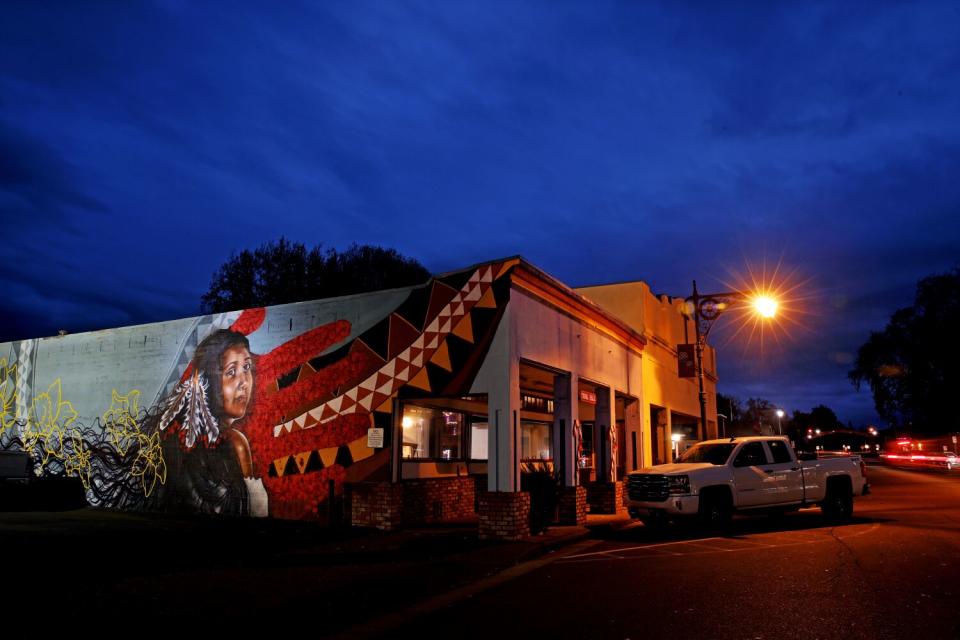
(413, 405)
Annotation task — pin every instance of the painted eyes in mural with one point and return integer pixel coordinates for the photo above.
(236, 382)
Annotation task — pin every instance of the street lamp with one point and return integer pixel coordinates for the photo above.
(779, 416)
(706, 309)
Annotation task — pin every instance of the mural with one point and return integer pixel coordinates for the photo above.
(251, 413)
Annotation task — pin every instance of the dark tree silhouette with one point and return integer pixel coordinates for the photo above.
(284, 271)
(912, 365)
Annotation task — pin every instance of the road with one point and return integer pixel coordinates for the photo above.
(891, 572)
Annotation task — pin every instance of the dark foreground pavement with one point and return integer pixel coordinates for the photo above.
(128, 568)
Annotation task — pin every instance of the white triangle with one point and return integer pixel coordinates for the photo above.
(418, 343)
(475, 277)
(433, 327)
(300, 420)
(316, 412)
(335, 403)
(276, 430)
(369, 383)
(405, 355)
(458, 310)
(366, 402)
(387, 388)
(352, 394)
(389, 368)
(445, 325)
(433, 343)
(404, 374)
(418, 361)
(487, 275)
(473, 296)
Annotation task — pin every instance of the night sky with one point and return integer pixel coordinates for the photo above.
(142, 143)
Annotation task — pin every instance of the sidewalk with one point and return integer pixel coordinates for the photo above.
(139, 566)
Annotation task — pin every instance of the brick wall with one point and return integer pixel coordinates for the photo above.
(504, 516)
(376, 504)
(605, 497)
(438, 499)
(572, 505)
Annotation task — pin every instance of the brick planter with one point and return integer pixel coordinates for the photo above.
(572, 503)
(438, 500)
(504, 516)
(605, 497)
(376, 504)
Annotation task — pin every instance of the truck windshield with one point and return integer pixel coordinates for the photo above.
(712, 453)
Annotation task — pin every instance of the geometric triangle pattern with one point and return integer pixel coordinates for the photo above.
(318, 459)
(418, 349)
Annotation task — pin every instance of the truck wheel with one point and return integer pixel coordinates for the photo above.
(837, 505)
(715, 510)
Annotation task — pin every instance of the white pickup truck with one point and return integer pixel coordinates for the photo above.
(715, 478)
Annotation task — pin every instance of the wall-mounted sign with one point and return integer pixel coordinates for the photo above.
(589, 397)
(375, 438)
(686, 364)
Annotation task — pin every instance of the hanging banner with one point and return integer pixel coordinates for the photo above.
(686, 363)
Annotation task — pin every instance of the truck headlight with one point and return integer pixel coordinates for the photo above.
(679, 485)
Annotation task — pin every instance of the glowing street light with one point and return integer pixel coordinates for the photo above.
(705, 310)
(779, 416)
(765, 306)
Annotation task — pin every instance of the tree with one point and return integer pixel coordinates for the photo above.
(912, 365)
(284, 271)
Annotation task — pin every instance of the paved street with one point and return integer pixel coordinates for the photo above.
(890, 573)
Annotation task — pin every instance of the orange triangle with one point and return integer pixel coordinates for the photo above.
(280, 464)
(402, 334)
(306, 372)
(464, 329)
(302, 459)
(488, 301)
(442, 357)
(386, 407)
(421, 380)
(505, 267)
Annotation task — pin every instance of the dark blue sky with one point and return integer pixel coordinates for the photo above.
(141, 143)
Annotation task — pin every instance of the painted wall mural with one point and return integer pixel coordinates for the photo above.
(250, 413)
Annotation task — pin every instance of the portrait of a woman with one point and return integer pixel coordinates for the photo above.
(204, 446)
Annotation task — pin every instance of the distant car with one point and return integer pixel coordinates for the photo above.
(947, 460)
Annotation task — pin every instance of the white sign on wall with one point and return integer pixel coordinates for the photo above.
(375, 438)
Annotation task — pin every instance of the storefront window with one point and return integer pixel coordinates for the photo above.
(478, 439)
(535, 440)
(432, 434)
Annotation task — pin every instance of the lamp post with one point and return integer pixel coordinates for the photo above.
(706, 308)
(779, 416)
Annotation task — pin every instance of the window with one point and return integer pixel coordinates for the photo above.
(478, 438)
(432, 433)
(751, 455)
(535, 440)
(779, 450)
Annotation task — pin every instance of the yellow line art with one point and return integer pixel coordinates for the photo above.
(8, 395)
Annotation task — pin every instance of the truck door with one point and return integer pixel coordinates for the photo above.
(785, 479)
(749, 477)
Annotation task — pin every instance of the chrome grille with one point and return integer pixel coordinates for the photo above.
(648, 487)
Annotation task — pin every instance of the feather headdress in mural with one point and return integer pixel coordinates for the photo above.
(189, 404)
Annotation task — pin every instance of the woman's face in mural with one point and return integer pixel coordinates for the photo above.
(236, 379)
